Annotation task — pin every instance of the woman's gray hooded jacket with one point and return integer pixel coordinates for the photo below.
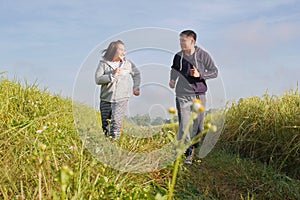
(117, 87)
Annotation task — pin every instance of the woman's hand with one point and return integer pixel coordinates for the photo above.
(117, 71)
(136, 92)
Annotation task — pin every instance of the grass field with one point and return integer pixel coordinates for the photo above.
(267, 129)
(42, 155)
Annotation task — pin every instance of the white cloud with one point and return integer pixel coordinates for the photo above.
(257, 41)
(259, 33)
(244, 37)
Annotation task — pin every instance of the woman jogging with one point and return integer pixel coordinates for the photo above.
(113, 74)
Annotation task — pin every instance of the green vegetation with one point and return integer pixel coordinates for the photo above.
(42, 156)
(267, 129)
(146, 120)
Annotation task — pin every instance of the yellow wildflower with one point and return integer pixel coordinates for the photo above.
(172, 111)
(197, 106)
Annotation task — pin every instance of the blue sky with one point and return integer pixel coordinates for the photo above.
(255, 44)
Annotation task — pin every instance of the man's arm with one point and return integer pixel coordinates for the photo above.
(174, 71)
(210, 69)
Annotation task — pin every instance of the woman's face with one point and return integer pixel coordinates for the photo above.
(120, 53)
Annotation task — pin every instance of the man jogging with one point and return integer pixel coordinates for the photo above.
(192, 66)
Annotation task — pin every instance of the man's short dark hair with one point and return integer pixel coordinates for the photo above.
(189, 33)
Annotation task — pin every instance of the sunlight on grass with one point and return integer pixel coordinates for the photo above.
(43, 155)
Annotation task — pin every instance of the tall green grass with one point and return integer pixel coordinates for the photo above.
(43, 157)
(267, 129)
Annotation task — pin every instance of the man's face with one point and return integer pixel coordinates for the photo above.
(186, 42)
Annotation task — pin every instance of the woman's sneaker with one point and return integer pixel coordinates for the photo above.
(189, 158)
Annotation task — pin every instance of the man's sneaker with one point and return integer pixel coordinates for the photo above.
(189, 160)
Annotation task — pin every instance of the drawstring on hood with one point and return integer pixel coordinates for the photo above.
(186, 84)
(195, 58)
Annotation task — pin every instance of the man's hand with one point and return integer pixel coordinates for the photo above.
(194, 72)
(172, 84)
(136, 92)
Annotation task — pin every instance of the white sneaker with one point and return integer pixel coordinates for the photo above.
(189, 160)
